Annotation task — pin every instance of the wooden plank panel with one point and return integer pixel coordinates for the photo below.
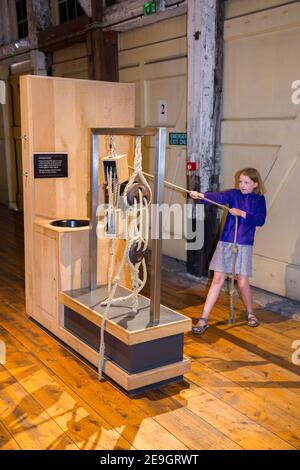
(46, 275)
(70, 68)
(134, 381)
(258, 132)
(235, 425)
(7, 442)
(173, 28)
(69, 53)
(194, 431)
(240, 367)
(118, 410)
(11, 343)
(245, 401)
(171, 49)
(282, 18)
(78, 421)
(26, 420)
(27, 148)
(243, 7)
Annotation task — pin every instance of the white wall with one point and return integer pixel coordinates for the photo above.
(261, 129)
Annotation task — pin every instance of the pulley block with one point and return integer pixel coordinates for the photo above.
(136, 254)
(134, 193)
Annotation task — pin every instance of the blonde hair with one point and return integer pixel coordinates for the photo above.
(254, 175)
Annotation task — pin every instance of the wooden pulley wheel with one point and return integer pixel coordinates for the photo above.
(136, 254)
(133, 193)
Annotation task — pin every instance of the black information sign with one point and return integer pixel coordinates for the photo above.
(50, 165)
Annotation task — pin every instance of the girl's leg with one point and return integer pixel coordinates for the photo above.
(243, 283)
(212, 296)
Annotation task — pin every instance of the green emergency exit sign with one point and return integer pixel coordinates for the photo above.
(177, 138)
(150, 8)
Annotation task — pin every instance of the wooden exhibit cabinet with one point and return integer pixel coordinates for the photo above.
(57, 114)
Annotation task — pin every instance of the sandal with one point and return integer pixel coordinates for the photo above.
(252, 320)
(198, 330)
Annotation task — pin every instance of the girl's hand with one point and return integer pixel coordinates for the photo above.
(237, 212)
(196, 195)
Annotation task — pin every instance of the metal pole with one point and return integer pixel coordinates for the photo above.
(94, 198)
(156, 255)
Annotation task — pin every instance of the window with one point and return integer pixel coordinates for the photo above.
(22, 23)
(69, 10)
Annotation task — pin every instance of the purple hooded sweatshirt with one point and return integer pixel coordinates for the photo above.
(253, 204)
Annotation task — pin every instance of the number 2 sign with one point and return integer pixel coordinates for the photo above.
(162, 111)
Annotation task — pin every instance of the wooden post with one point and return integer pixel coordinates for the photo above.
(39, 62)
(11, 168)
(205, 58)
(102, 48)
(39, 19)
(6, 34)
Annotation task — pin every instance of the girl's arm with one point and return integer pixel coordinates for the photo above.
(238, 212)
(221, 198)
(258, 219)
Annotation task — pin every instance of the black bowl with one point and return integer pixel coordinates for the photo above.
(70, 223)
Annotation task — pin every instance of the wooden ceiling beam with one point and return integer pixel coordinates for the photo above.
(63, 35)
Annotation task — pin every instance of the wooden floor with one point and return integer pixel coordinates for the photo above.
(243, 391)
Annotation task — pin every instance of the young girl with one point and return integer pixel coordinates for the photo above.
(249, 204)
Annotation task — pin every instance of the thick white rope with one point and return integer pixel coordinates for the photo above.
(109, 213)
(234, 256)
(116, 281)
(134, 233)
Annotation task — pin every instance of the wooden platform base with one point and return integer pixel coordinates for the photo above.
(139, 355)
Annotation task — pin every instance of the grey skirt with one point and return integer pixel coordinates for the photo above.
(222, 259)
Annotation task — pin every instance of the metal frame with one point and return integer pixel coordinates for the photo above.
(160, 156)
